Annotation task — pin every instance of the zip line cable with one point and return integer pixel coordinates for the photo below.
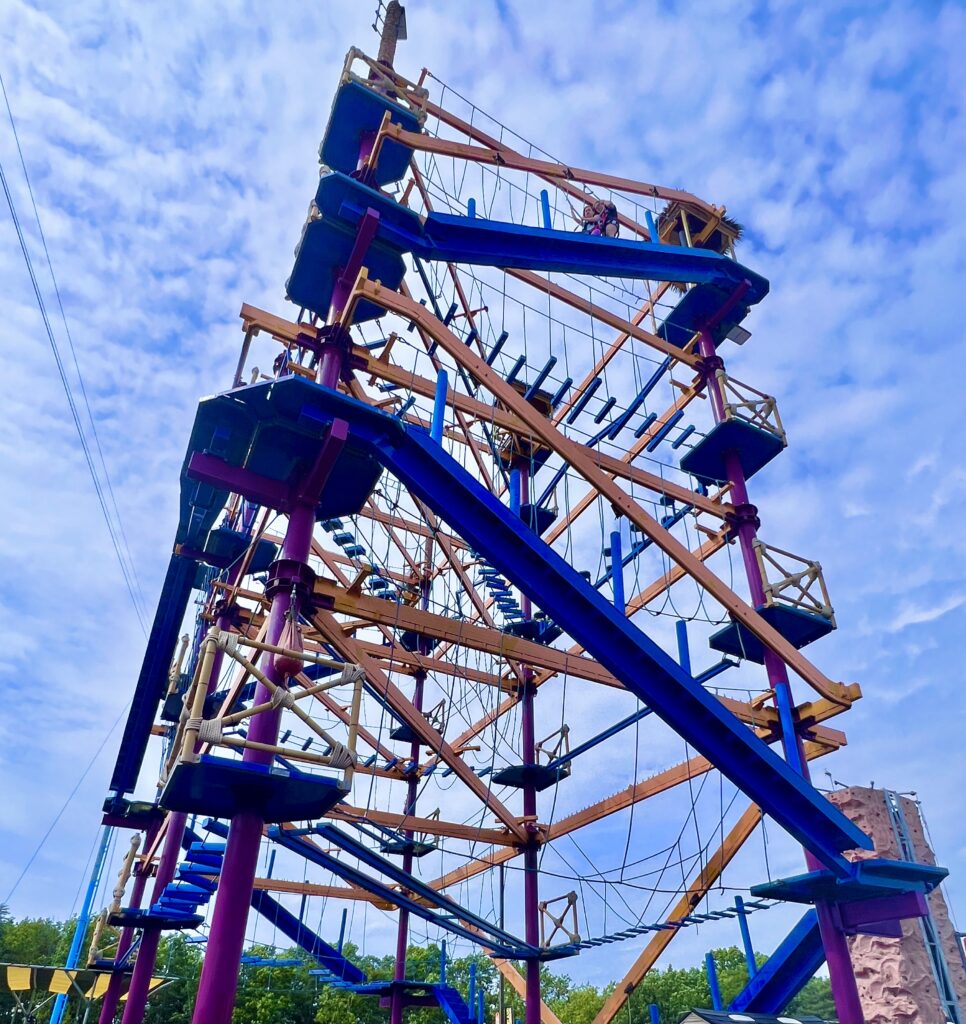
(114, 525)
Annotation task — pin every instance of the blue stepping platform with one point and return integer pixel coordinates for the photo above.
(799, 628)
(167, 920)
(274, 430)
(225, 546)
(324, 249)
(222, 788)
(754, 447)
(400, 847)
(699, 305)
(136, 814)
(541, 631)
(411, 640)
(868, 879)
(537, 517)
(357, 110)
(540, 776)
(404, 733)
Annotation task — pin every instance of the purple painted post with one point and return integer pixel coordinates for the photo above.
(219, 973)
(397, 1004)
(841, 974)
(112, 995)
(137, 996)
(531, 895)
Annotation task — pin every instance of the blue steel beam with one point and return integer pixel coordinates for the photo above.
(642, 666)
(153, 676)
(786, 972)
(445, 917)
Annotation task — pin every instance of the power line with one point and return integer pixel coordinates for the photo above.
(105, 500)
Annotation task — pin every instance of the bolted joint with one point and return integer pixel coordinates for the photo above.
(707, 366)
(745, 514)
(286, 575)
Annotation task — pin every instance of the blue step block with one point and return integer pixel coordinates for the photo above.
(356, 111)
(540, 776)
(754, 447)
(323, 250)
(797, 627)
(222, 788)
(699, 304)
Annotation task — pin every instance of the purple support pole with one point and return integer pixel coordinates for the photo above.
(396, 1004)
(531, 910)
(841, 974)
(137, 995)
(219, 973)
(112, 995)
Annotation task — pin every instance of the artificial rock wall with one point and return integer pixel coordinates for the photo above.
(895, 978)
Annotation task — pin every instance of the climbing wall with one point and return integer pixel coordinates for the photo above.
(896, 977)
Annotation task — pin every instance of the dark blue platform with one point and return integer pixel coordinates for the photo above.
(401, 846)
(539, 630)
(699, 305)
(538, 517)
(225, 546)
(164, 920)
(322, 251)
(540, 776)
(754, 447)
(797, 627)
(867, 880)
(357, 110)
(222, 788)
(274, 430)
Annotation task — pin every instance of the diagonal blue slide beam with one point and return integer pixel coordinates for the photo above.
(637, 661)
(442, 911)
(492, 243)
(786, 972)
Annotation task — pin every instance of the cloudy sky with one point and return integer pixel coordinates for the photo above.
(172, 151)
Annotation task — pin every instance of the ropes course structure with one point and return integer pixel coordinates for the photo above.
(437, 537)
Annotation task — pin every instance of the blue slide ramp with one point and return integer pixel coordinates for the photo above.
(637, 661)
(786, 972)
(343, 202)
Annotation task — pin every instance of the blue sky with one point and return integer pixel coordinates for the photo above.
(172, 152)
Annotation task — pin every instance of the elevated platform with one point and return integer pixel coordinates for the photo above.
(163, 920)
(540, 776)
(222, 788)
(699, 305)
(537, 517)
(271, 435)
(135, 814)
(871, 879)
(323, 249)
(754, 447)
(540, 630)
(224, 547)
(799, 628)
(400, 847)
(357, 113)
